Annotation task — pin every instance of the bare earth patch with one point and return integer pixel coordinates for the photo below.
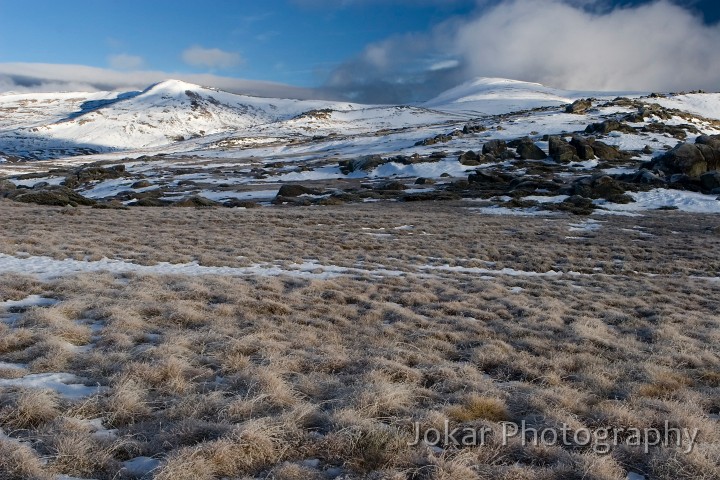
(335, 333)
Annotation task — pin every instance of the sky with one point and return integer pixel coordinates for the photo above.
(376, 51)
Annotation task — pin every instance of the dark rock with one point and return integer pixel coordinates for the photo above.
(40, 186)
(608, 126)
(712, 141)
(6, 186)
(391, 186)
(431, 196)
(196, 201)
(469, 158)
(677, 131)
(365, 164)
(527, 150)
(56, 196)
(561, 151)
(583, 148)
(602, 186)
(236, 203)
(483, 177)
(575, 204)
(434, 140)
(296, 191)
(647, 150)
(496, 148)
(689, 159)
(473, 128)
(424, 181)
(603, 151)
(150, 202)
(92, 173)
(141, 184)
(710, 180)
(579, 106)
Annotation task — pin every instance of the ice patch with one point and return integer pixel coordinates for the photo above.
(66, 385)
(589, 225)
(30, 301)
(140, 466)
(691, 202)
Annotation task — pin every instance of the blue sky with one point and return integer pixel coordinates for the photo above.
(285, 41)
(366, 50)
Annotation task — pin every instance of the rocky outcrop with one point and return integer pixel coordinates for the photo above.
(579, 107)
(608, 126)
(561, 151)
(92, 173)
(496, 148)
(55, 196)
(527, 150)
(582, 147)
(296, 191)
(365, 164)
(692, 160)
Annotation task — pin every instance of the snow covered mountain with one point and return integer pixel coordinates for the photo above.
(53, 125)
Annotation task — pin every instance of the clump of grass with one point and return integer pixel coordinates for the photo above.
(476, 407)
(27, 408)
(20, 462)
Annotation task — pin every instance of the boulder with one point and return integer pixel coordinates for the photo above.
(482, 177)
(712, 141)
(196, 201)
(561, 151)
(496, 148)
(296, 191)
(470, 158)
(235, 203)
(582, 147)
(56, 196)
(527, 150)
(391, 186)
(424, 181)
(6, 186)
(366, 164)
(141, 184)
(689, 159)
(608, 126)
(473, 128)
(710, 180)
(579, 107)
(603, 151)
(601, 186)
(93, 173)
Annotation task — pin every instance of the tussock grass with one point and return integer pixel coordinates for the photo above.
(288, 378)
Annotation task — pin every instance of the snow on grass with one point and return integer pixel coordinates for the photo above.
(703, 104)
(66, 385)
(47, 268)
(664, 198)
(545, 199)
(251, 195)
(505, 271)
(140, 466)
(30, 182)
(589, 225)
(12, 366)
(27, 302)
(518, 212)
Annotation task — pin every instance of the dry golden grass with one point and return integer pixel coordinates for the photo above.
(290, 378)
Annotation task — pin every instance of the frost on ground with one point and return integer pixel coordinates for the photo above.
(189, 361)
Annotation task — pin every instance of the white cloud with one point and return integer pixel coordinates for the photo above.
(654, 46)
(43, 77)
(123, 61)
(200, 57)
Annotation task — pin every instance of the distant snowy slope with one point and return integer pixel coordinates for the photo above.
(493, 96)
(703, 104)
(172, 111)
(28, 110)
